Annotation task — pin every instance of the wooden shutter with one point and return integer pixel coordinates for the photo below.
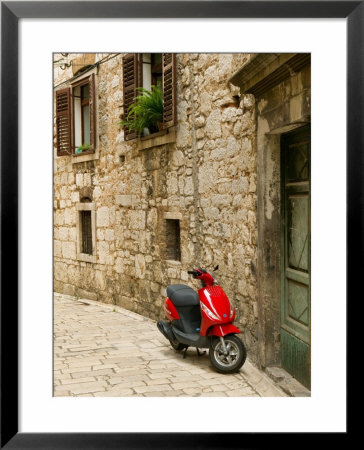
(169, 90)
(63, 121)
(130, 84)
(92, 105)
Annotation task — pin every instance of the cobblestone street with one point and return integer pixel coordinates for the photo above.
(104, 350)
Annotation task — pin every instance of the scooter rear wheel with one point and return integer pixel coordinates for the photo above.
(178, 346)
(235, 357)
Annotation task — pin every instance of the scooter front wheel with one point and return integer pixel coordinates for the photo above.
(227, 360)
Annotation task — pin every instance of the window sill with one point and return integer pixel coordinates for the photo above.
(173, 262)
(83, 157)
(86, 257)
(157, 139)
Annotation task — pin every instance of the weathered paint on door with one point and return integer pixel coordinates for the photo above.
(296, 250)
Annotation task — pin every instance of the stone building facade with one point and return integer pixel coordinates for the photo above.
(208, 185)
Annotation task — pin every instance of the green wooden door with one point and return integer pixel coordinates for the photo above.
(295, 282)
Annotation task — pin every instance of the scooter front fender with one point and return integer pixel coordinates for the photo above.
(223, 330)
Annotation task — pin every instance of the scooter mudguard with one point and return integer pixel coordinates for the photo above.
(223, 330)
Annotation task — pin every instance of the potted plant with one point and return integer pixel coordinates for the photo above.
(145, 114)
(82, 148)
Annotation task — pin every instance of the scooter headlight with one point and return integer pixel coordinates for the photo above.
(208, 312)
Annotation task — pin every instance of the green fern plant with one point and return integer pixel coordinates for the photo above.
(146, 111)
(83, 147)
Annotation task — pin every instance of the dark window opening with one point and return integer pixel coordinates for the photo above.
(86, 230)
(173, 239)
(156, 69)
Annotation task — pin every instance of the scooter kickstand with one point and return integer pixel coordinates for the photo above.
(184, 353)
(200, 353)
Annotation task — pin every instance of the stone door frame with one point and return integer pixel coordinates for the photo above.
(269, 240)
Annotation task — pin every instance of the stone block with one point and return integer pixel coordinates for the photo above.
(69, 216)
(69, 289)
(124, 199)
(221, 200)
(109, 235)
(137, 220)
(69, 250)
(82, 293)
(232, 147)
(213, 125)
(218, 154)
(63, 233)
(212, 213)
(189, 187)
(140, 266)
(206, 177)
(75, 197)
(82, 60)
(87, 179)
(115, 82)
(200, 121)
(183, 135)
(103, 252)
(79, 179)
(57, 248)
(172, 184)
(248, 101)
(200, 133)
(240, 185)
(246, 145)
(205, 99)
(102, 216)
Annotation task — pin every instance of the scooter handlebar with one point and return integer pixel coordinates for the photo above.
(195, 273)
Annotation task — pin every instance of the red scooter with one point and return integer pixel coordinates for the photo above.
(203, 320)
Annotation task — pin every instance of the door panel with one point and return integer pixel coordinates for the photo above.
(295, 268)
(298, 230)
(298, 302)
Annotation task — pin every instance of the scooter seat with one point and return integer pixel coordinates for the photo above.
(182, 295)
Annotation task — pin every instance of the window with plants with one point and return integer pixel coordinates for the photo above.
(75, 118)
(149, 89)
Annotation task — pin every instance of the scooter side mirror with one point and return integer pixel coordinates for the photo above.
(216, 268)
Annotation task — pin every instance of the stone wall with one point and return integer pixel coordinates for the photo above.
(202, 174)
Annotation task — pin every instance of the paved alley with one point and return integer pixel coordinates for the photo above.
(105, 350)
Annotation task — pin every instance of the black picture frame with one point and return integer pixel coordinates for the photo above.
(11, 12)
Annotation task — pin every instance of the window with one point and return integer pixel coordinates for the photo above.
(152, 69)
(145, 70)
(86, 231)
(86, 246)
(173, 238)
(75, 118)
(81, 108)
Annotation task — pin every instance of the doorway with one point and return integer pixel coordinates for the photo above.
(295, 324)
